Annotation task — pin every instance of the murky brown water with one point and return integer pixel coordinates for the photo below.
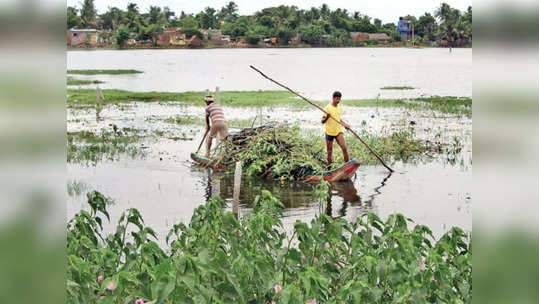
(316, 72)
(166, 186)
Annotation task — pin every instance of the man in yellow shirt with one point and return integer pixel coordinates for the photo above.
(334, 129)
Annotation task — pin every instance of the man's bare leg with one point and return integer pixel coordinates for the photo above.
(329, 145)
(342, 144)
(208, 146)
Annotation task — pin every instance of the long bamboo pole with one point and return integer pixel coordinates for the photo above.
(320, 108)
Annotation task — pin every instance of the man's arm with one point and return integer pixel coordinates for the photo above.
(207, 121)
(325, 118)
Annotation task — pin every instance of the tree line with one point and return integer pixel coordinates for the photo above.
(317, 25)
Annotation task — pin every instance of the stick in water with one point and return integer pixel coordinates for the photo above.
(320, 108)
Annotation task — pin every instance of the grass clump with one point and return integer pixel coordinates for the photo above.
(397, 88)
(287, 152)
(444, 104)
(228, 98)
(217, 258)
(73, 81)
(103, 72)
(89, 148)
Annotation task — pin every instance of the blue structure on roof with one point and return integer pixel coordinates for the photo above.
(404, 27)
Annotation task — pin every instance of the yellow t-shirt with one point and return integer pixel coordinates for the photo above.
(332, 127)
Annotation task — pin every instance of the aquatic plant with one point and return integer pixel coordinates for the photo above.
(89, 148)
(218, 258)
(98, 72)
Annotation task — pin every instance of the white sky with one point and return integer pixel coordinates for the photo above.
(386, 10)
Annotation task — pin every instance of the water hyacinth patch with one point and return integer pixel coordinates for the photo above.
(217, 258)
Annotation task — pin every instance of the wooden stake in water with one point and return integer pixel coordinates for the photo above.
(236, 195)
(98, 97)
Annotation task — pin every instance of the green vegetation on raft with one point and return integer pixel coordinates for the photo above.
(291, 153)
(217, 258)
(444, 104)
(397, 88)
(73, 81)
(103, 72)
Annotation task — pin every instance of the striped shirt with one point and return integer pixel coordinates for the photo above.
(215, 112)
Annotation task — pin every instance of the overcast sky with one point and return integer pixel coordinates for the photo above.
(386, 10)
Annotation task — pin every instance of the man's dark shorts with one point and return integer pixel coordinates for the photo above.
(331, 138)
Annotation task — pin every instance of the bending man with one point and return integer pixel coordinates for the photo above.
(215, 114)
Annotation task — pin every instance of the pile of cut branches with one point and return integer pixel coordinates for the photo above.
(273, 151)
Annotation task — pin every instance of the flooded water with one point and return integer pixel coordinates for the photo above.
(166, 186)
(316, 72)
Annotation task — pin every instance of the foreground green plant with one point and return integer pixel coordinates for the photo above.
(220, 259)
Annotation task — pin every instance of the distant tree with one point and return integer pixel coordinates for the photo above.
(207, 18)
(426, 27)
(252, 37)
(156, 16)
(449, 18)
(286, 34)
(325, 11)
(150, 32)
(312, 34)
(132, 17)
(229, 12)
(72, 19)
(188, 21)
(122, 35)
(266, 21)
(378, 24)
(236, 28)
(88, 13)
(111, 19)
(168, 14)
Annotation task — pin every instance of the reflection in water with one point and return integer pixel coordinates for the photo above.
(343, 199)
(377, 190)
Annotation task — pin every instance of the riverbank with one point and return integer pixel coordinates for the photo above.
(251, 46)
(87, 97)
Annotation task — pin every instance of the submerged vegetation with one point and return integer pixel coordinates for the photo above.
(444, 104)
(287, 152)
(218, 258)
(100, 72)
(90, 148)
(397, 88)
(73, 81)
(228, 98)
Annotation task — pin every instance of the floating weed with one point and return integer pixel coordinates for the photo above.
(218, 258)
(397, 88)
(73, 81)
(89, 148)
(444, 104)
(97, 72)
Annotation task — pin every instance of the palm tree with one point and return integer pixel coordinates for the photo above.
(449, 18)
